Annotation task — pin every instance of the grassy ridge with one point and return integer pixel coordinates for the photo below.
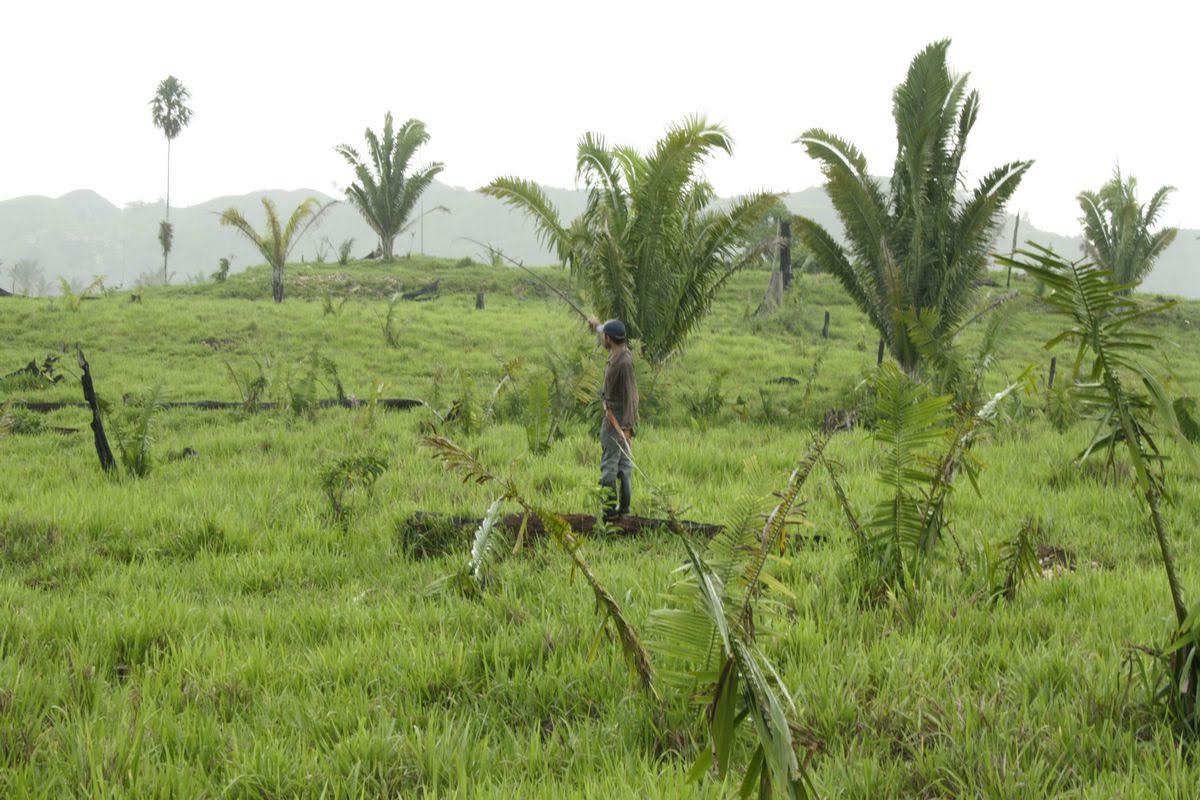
(206, 631)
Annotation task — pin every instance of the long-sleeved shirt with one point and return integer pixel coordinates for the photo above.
(620, 388)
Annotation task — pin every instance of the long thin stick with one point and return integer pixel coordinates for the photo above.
(533, 274)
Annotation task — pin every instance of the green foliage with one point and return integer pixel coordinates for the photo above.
(540, 428)
(303, 389)
(920, 247)
(650, 248)
(1098, 321)
(1117, 229)
(946, 365)
(486, 547)
(331, 308)
(344, 248)
(1017, 563)
(275, 243)
(559, 530)
(925, 445)
(342, 479)
(708, 633)
(391, 331)
(166, 237)
(135, 434)
(72, 300)
(383, 193)
(252, 386)
(222, 273)
(1189, 420)
(168, 108)
(708, 403)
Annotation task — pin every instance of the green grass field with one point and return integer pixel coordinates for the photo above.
(209, 631)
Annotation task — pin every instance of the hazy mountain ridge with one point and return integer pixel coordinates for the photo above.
(81, 234)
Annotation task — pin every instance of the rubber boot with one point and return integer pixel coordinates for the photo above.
(626, 494)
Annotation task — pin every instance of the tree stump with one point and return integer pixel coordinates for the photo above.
(103, 451)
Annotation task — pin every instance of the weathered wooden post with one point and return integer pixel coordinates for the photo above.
(825, 327)
(785, 252)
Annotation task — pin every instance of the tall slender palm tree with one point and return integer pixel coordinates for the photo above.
(650, 247)
(383, 193)
(1116, 228)
(277, 241)
(918, 249)
(171, 115)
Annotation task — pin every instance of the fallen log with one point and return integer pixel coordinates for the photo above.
(393, 403)
(424, 293)
(581, 523)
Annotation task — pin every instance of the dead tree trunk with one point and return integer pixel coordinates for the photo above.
(785, 252)
(103, 451)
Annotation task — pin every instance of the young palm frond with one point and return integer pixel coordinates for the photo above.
(459, 460)
(925, 447)
(707, 635)
(276, 242)
(487, 546)
(386, 191)
(650, 248)
(136, 438)
(1117, 229)
(1099, 316)
(918, 247)
(1018, 563)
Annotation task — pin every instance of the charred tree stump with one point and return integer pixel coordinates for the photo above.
(825, 327)
(785, 252)
(103, 451)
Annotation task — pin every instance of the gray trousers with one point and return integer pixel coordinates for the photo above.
(615, 465)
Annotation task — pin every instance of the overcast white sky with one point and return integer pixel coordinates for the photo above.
(508, 87)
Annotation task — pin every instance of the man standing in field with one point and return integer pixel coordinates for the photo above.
(620, 396)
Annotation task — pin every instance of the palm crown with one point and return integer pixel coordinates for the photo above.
(1117, 231)
(169, 108)
(649, 248)
(275, 243)
(383, 193)
(918, 250)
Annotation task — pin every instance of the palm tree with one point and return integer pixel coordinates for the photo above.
(171, 115)
(384, 194)
(918, 250)
(649, 248)
(1117, 232)
(277, 241)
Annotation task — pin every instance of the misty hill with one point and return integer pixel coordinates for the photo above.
(81, 234)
